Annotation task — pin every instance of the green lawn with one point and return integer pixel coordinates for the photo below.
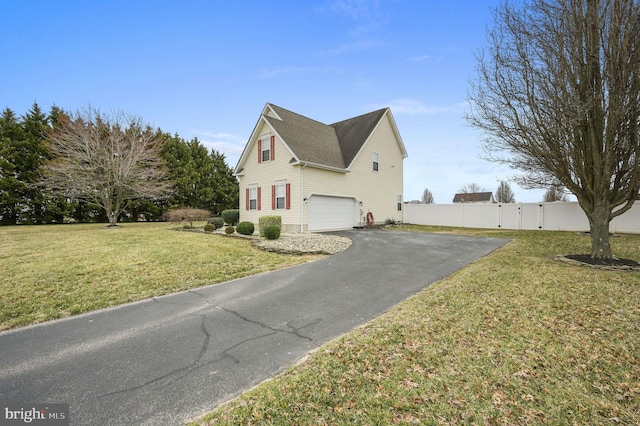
(55, 271)
(514, 338)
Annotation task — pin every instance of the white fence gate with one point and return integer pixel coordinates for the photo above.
(556, 216)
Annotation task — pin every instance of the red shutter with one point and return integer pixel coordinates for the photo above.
(259, 198)
(273, 148)
(248, 201)
(273, 197)
(288, 199)
(259, 151)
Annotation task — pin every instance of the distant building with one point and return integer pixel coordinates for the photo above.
(474, 198)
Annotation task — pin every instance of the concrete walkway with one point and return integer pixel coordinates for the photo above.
(170, 359)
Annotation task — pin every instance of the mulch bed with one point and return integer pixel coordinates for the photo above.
(614, 264)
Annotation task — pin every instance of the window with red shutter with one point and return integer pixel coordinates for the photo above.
(279, 195)
(253, 197)
(265, 148)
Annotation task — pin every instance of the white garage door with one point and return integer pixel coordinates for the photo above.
(331, 213)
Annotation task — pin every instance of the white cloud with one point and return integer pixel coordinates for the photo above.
(275, 72)
(424, 58)
(366, 13)
(417, 107)
(351, 47)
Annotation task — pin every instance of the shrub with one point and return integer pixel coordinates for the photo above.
(218, 222)
(186, 215)
(271, 232)
(229, 230)
(245, 228)
(269, 220)
(231, 216)
(209, 227)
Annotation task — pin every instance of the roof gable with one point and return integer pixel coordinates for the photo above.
(354, 132)
(309, 140)
(334, 146)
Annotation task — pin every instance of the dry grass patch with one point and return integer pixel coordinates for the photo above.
(56, 271)
(514, 338)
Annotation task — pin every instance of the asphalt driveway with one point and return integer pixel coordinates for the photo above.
(169, 359)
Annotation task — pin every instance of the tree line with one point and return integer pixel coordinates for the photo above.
(61, 167)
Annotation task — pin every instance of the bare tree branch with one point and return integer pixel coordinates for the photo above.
(105, 161)
(558, 97)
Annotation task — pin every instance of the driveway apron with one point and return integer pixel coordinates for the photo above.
(169, 359)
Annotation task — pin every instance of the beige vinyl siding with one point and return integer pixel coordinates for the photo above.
(378, 191)
(265, 175)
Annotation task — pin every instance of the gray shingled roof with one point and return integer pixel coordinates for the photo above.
(334, 145)
(472, 197)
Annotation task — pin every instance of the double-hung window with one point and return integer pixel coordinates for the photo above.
(265, 148)
(374, 158)
(253, 198)
(281, 196)
(281, 193)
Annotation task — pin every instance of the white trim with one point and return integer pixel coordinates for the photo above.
(319, 166)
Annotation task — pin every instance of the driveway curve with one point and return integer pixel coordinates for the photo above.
(169, 359)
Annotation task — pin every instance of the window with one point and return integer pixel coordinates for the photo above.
(399, 202)
(266, 146)
(253, 198)
(281, 196)
(375, 161)
(266, 152)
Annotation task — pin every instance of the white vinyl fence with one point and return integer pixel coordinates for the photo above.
(556, 216)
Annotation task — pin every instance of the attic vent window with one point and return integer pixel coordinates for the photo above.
(375, 161)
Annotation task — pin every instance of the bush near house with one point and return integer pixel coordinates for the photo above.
(229, 230)
(217, 222)
(186, 215)
(209, 228)
(245, 228)
(231, 216)
(271, 232)
(269, 220)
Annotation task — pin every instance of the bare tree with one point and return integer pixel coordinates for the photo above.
(555, 193)
(472, 188)
(427, 196)
(105, 160)
(504, 194)
(558, 92)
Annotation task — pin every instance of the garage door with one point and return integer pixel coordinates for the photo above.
(331, 213)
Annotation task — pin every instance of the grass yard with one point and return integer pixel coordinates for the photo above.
(514, 338)
(55, 271)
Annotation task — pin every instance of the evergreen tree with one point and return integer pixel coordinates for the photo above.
(11, 188)
(201, 179)
(41, 206)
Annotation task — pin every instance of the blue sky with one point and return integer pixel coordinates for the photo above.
(206, 69)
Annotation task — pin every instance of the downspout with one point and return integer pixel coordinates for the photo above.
(302, 197)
